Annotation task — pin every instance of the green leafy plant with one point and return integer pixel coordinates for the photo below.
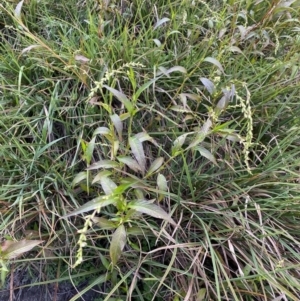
(123, 177)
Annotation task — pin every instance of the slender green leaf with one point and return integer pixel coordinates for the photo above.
(157, 163)
(148, 208)
(79, 178)
(183, 99)
(214, 62)
(157, 42)
(122, 98)
(18, 10)
(194, 97)
(118, 124)
(138, 151)
(143, 88)
(137, 231)
(144, 136)
(104, 223)
(100, 175)
(88, 154)
(131, 163)
(201, 294)
(27, 49)
(223, 102)
(209, 85)
(160, 22)
(127, 183)
(81, 58)
(124, 116)
(235, 49)
(103, 164)
(108, 185)
(207, 154)
(176, 69)
(243, 31)
(180, 109)
(178, 142)
(201, 134)
(94, 204)
(12, 249)
(162, 182)
(139, 193)
(166, 72)
(117, 244)
(102, 131)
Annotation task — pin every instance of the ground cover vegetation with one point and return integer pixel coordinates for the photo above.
(152, 147)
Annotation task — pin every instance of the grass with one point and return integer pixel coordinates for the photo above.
(152, 147)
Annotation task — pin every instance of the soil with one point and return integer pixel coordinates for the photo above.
(46, 293)
(61, 291)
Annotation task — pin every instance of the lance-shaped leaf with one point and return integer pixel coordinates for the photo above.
(178, 142)
(207, 154)
(209, 85)
(27, 49)
(123, 186)
(104, 223)
(131, 163)
(88, 152)
(201, 134)
(101, 174)
(116, 120)
(162, 183)
(81, 58)
(194, 97)
(115, 148)
(223, 102)
(139, 193)
(144, 136)
(176, 68)
(183, 99)
(160, 22)
(18, 10)
(235, 49)
(201, 294)
(121, 97)
(166, 72)
(96, 203)
(214, 62)
(12, 249)
(108, 185)
(79, 178)
(102, 130)
(136, 231)
(231, 136)
(157, 163)
(157, 42)
(147, 207)
(103, 164)
(138, 151)
(143, 88)
(181, 109)
(117, 244)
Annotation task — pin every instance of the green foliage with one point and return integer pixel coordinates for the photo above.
(153, 146)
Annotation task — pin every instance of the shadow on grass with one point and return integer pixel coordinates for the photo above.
(62, 291)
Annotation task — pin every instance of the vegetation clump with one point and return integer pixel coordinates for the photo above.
(152, 147)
